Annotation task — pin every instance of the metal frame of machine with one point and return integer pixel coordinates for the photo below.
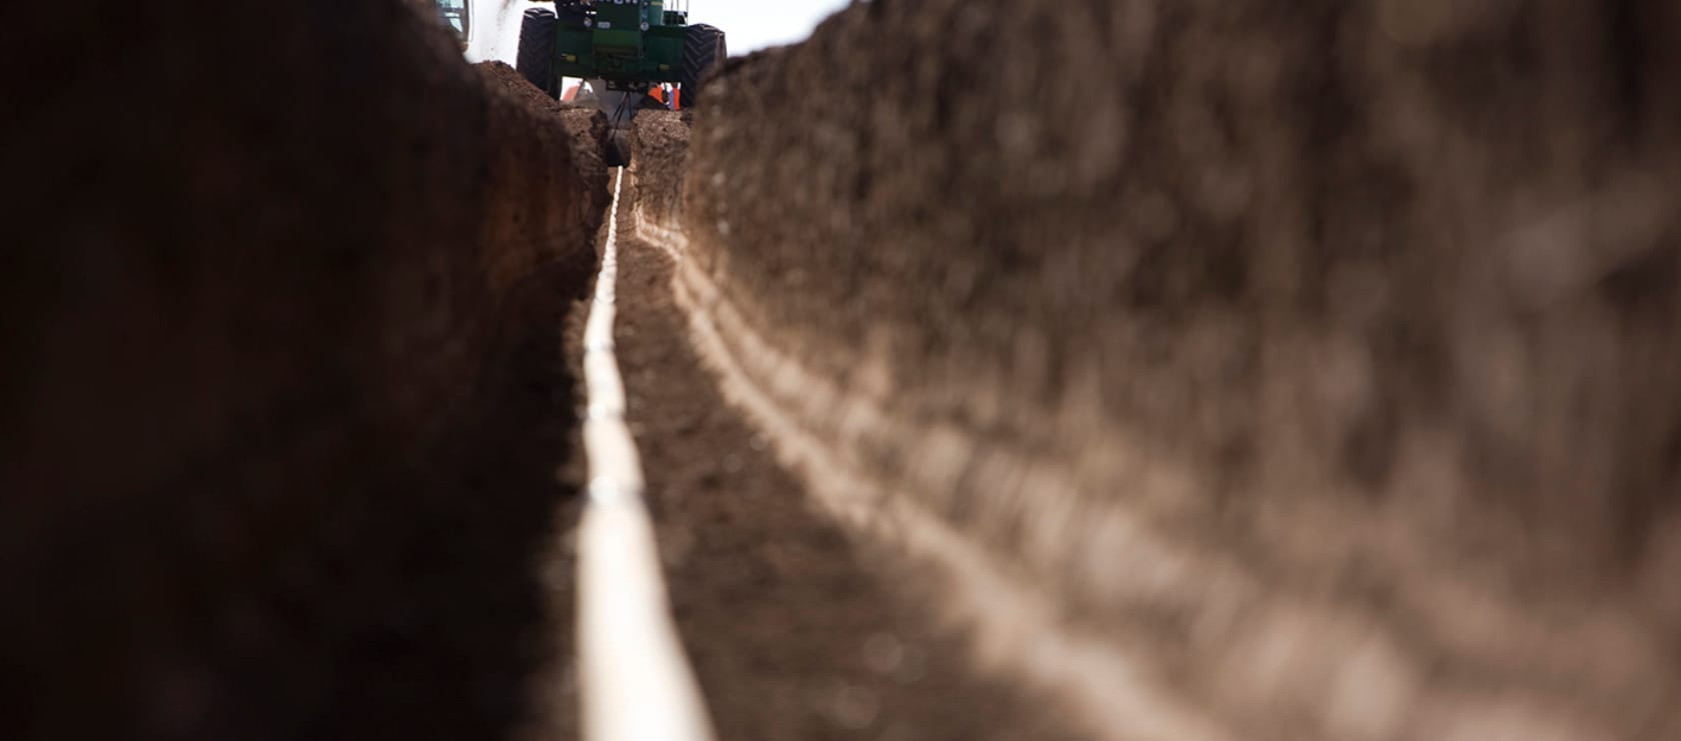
(630, 44)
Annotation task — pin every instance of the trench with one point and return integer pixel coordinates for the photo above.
(1271, 390)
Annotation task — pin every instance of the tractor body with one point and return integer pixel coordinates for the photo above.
(629, 45)
(623, 48)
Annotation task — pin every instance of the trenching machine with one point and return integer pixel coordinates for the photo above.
(625, 49)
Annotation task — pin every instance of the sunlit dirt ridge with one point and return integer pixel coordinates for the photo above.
(1312, 372)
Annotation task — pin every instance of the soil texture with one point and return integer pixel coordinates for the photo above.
(794, 631)
(1220, 327)
(283, 396)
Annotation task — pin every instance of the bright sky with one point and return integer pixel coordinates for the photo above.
(749, 25)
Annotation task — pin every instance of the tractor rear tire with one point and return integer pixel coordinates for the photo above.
(704, 52)
(536, 50)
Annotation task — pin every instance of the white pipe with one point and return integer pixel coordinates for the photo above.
(635, 680)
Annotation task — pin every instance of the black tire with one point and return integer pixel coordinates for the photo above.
(536, 50)
(704, 52)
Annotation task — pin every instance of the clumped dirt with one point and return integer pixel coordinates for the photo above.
(794, 631)
(586, 124)
(1370, 307)
(659, 153)
(283, 397)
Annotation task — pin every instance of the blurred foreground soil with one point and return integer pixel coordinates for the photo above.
(1316, 363)
(283, 396)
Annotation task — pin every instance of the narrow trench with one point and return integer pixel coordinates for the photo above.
(794, 630)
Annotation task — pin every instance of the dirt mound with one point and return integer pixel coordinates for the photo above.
(282, 401)
(659, 153)
(585, 123)
(1297, 350)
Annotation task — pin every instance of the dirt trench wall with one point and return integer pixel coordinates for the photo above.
(1317, 364)
(659, 160)
(281, 402)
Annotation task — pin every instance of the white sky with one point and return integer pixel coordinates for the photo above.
(749, 25)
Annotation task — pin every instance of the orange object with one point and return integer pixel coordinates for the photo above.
(677, 99)
(657, 93)
(571, 93)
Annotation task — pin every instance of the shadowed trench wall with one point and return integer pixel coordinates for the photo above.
(283, 399)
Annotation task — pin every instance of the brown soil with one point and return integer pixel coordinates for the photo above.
(1318, 362)
(283, 399)
(1371, 308)
(586, 124)
(794, 632)
(660, 148)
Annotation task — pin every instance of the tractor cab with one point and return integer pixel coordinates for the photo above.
(458, 15)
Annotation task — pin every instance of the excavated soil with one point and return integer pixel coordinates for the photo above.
(1317, 363)
(283, 397)
(660, 148)
(586, 125)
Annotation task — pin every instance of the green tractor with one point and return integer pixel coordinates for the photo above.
(624, 48)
